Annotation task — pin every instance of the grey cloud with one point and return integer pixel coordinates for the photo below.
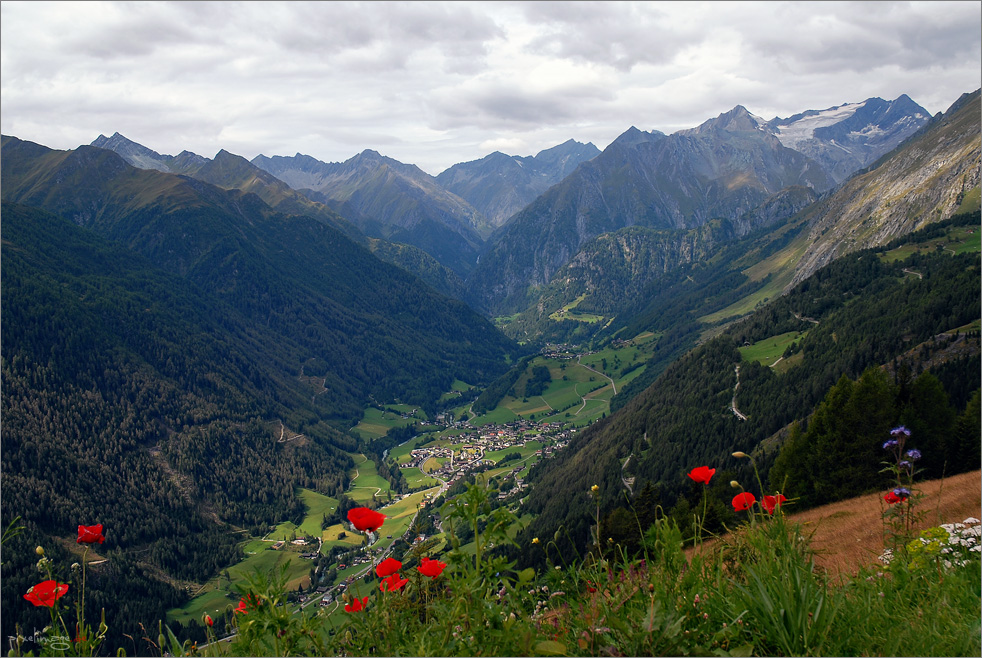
(620, 35)
(865, 36)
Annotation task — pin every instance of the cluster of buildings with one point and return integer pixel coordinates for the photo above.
(457, 462)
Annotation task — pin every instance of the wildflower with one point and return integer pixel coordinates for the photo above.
(242, 607)
(387, 567)
(771, 502)
(46, 593)
(743, 501)
(897, 495)
(90, 534)
(431, 568)
(702, 474)
(890, 444)
(905, 464)
(209, 620)
(393, 583)
(594, 488)
(900, 431)
(356, 605)
(913, 455)
(366, 519)
(535, 540)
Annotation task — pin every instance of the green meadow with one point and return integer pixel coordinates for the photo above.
(365, 480)
(768, 351)
(377, 422)
(317, 506)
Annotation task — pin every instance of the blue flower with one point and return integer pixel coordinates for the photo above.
(913, 454)
(903, 492)
(890, 444)
(897, 431)
(905, 464)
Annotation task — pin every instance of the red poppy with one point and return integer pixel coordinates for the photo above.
(366, 519)
(246, 602)
(702, 474)
(393, 583)
(90, 534)
(46, 593)
(356, 605)
(387, 567)
(431, 568)
(892, 498)
(743, 501)
(209, 620)
(771, 502)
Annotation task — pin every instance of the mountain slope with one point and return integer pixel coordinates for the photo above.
(723, 169)
(923, 181)
(380, 330)
(391, 200)
(230, 172)
(500, 185)
(861, 311)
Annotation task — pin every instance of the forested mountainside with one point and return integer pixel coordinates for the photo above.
(178, 358)
(868, 310)
(233, 172)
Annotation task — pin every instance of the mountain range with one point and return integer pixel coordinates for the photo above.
(178, 317)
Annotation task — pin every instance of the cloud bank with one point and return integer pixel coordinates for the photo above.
(436, 83)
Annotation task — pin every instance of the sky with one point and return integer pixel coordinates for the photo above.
(438, 83)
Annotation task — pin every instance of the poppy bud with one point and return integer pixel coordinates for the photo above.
(735, 484)
(739, 454)
(209, 620)
(39, 550)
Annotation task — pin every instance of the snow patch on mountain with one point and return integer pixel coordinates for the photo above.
(793, 134)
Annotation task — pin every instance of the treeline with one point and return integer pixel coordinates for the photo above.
(870, 314)
(838, 453)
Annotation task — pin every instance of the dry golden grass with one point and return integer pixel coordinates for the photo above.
(849, 534)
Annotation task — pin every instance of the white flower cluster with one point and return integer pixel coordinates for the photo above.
(963, 538)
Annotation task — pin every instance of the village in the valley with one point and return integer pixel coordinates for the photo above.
(471, 450)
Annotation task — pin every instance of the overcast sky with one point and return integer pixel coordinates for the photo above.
(437, 83)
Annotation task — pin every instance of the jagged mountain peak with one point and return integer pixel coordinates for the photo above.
(739, 119)
(633, 136)
(136, 154)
